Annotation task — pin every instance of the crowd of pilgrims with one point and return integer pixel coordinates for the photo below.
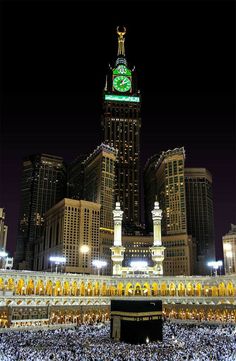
(93, 343)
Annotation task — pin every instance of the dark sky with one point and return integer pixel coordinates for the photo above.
(55, 57)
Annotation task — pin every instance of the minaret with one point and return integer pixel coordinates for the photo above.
(117, 251)
(157, 249)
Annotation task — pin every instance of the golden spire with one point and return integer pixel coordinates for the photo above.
(121, 41)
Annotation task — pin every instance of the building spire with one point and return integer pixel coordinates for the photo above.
(121, 41)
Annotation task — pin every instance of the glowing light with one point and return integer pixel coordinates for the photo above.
(215, 264)
(138, 264)
(84, 248)
(3, 254)
(122, 98)
(57, 259)
(228, 247)
(98, 263)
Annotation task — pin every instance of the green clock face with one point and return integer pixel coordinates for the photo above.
(122, 83)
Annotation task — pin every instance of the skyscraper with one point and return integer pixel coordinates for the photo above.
(167, 174)
(229, 248)
(99, 182)
(200, 220)
(42, 186)
(3, 230)
(121, 125)
(75, 178)
(69, 225)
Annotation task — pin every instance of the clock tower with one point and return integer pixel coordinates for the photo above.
(121, 125)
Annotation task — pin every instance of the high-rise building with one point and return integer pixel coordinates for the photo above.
(69, 225)
(229, 248)
(179, 253)
(42, 186)
(167, 174)
(99, 182)
(3, 230)
(150, 190)
(75, 178)
(121, 125)
(200, 220)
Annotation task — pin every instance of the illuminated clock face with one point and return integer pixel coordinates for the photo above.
(122, 83)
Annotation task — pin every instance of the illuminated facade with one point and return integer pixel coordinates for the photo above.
(200, 220)
(3, 230)
(166, 172)
(71, 298)
(42, 185)
(99, 182)
(180, 253)
(69, 225)
(121, 125)
(156, 249)
(229, 248)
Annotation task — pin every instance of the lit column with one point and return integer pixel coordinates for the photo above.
(117, 251)
(157, 249)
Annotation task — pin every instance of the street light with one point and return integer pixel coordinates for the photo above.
(57, 260)
(84, 249)
(99, 264)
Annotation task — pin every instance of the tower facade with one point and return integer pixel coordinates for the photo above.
(42, 186)
(3, 230)
(121, 126)
(170, 190)
(200, 220)
(99, 182)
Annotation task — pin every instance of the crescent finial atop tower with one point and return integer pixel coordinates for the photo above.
(121, 40)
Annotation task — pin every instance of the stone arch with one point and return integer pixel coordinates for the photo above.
(1, 284)
(20, 288)
(66, 288)
(96, 289)
(190, 289)
(163, 289)
(146, 289)
(82, 289)
(138, 289)
(104, 289)
(172, 289)
(39, 289)
(112, 290)
(214, 291)
(74, 288)
(10, 286)
(207, 290)
(181, 289)
(49, 288)
(154, 289)
(221, 289)
(30, 287)
(120, 289)
(58, 289)
(129, 289)
(198, 290)
(230, 289)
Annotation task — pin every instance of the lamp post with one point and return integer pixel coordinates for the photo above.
(57, 260)
(99, 264)
(84, 249)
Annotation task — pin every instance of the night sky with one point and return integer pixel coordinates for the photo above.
(55, 58)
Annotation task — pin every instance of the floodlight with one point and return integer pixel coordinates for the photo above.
(98, 263)
(138, 264)
(3, 254)
(57, 259)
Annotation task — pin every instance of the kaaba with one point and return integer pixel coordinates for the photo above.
(136, 321)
